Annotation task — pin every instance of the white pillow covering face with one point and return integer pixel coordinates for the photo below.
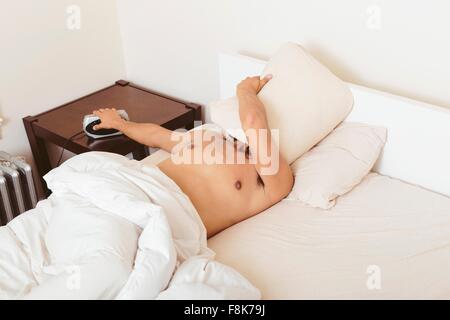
(303, 100)
(337, 164)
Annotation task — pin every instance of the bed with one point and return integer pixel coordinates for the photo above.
(388, 238)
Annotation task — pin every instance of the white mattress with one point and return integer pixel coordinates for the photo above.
(386, 232)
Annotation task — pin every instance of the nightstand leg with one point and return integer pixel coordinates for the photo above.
(141, 153)
(197, 109)
(40, 155)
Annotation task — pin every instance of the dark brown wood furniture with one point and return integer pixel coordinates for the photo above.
(58, 125)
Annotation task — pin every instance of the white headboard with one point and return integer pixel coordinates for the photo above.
(418, 145)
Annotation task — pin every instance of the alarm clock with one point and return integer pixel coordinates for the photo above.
(90, 120)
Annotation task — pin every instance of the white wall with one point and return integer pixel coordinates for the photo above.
(44, 64)
(171, 45)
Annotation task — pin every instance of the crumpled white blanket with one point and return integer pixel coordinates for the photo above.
(113, 228)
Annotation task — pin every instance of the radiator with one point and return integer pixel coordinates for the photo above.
(17, 191)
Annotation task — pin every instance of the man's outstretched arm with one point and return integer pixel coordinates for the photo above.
(149, 134)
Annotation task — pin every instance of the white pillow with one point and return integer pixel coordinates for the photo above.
(304, 100)
(337, 164)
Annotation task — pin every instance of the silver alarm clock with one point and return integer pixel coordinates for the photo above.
(90, 120)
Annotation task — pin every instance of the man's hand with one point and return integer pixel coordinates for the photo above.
(252, 85)
(109, 118)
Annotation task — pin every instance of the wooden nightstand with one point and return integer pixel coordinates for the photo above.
(58, 125)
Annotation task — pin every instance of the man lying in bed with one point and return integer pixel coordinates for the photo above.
(223, 194)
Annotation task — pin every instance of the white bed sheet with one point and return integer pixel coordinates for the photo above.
(386, 239)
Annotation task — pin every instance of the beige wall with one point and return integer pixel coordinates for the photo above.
(172, 45)
(44, 64)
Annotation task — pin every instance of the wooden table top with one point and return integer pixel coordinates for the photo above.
(61, 123)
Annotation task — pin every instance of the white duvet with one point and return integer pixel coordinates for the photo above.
(113, 228)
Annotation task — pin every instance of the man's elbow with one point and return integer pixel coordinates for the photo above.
(283, 188)
(287, 185)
